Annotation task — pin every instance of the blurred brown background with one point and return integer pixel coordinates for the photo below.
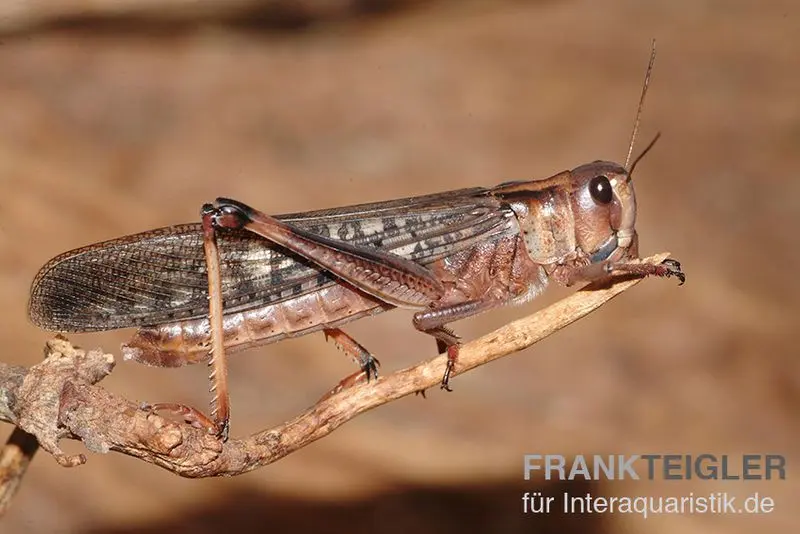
(120, 116)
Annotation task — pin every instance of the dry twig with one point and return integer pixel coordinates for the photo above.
(58, 399)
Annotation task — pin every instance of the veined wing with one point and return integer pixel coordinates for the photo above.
(159, 276)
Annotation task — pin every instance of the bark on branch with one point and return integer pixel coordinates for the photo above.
(58, 399)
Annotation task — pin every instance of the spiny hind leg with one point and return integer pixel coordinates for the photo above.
(219, 421)
(220, 400)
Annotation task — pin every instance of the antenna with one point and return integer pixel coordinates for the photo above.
(640, 156)
(639, 110)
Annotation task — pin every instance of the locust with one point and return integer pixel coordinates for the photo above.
(241, 278)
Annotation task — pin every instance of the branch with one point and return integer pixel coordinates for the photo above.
(58, 399)
(16, 18)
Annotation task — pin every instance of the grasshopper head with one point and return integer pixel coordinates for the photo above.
(590, 211)
(604, 210)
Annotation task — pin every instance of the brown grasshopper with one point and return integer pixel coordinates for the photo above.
(242, 278)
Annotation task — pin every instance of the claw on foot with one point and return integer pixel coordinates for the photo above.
(672, 268)
(370, 367)
(366, 361)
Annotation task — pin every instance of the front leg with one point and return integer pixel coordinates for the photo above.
(569, 275)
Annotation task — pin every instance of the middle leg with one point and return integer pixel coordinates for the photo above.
(433, 322)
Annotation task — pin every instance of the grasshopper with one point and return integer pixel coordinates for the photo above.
(241, 278)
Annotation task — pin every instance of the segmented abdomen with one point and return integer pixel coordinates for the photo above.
(186, 342)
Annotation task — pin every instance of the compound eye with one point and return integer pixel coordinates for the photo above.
(600, 189)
